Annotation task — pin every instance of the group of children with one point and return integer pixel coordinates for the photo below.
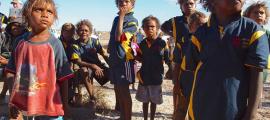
(217, 71)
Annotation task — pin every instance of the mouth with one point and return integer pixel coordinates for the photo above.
(44, 22)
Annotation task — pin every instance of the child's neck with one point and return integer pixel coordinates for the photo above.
(224, 20)
(84, 40)
(39, 36)
(151, 39)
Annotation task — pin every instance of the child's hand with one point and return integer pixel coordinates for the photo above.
(123, 11)
(98, 71)
(3, 60)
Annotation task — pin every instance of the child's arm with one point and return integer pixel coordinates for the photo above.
(255, 89)
(64, 95)
(166, 27)
(119, 28)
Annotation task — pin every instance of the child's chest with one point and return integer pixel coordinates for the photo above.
(152, 50)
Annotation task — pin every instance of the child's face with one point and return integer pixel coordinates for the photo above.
(16, 29)
(150, 29)
(188, 7)
(127, 4)
(227, 7)
(83, 32)
(258, 15)
(196, 24)
(68, 34)
(42, 17)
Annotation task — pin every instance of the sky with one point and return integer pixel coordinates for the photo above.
(102, 12)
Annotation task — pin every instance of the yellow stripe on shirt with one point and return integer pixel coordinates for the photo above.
(190, 106)
(256, 36)
(196, 42)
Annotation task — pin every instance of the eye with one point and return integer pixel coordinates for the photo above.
(50, 12)
(38, 10)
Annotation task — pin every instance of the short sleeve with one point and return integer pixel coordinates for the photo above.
(166, 27)
(98, 46)
(166, 55)
(258, 50)
(75, 53)
(131, 26)
(63, 68)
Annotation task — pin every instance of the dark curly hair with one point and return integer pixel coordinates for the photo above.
(84, 22)
(117, 2)
(148, 18)
(258, 4)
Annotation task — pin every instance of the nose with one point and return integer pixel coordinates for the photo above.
(44, 13)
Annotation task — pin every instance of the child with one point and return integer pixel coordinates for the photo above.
(67, 37)
(227, 55)
(259, 13)
(84, 54)
(196, 20)
(154, 51)
(177, 27)
(39, 67)
(12, 31)
(121, 59)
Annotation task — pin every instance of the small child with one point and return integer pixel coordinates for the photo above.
(121, 59)
(196, 20)
(260, 14)
(177, 27)
(67, 37)
(153, 53)
(39, 67)
(227, 56)
(85, 54)
(12, 31)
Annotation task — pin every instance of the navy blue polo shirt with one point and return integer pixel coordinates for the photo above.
(121, 70)
(87, 52)
(178, 28)
(220, 57)
(153, 57)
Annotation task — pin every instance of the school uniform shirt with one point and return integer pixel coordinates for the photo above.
(87, 52)
(39, 69)
(152, 58)
(222, 56)
(178, 28)
(121, 59)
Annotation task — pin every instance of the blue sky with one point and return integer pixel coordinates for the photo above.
(102, 12)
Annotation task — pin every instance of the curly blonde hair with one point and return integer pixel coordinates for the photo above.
(30, 5)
